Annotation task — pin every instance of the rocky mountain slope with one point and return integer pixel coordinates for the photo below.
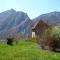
(52, 18)
(14, 21)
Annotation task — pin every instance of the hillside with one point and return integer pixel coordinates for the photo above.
(26, 50)
(52, 18)
(16, 21)
(12, 21)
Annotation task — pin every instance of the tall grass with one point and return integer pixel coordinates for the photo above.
(26, 50)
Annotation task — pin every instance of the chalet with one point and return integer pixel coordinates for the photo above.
(45, 42)
(38, 27)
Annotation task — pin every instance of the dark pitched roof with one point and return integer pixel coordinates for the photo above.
(35, 22)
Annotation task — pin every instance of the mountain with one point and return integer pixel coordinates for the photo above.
(14, 21)
(52, 18)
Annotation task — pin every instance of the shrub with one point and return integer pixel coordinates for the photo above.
(33, 40)
(9, 41)
(53, 37)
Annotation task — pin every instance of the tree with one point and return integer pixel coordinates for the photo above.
(53, 37)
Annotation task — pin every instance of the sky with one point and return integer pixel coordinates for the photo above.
(33, 8)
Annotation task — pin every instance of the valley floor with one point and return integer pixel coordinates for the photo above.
(26, 50)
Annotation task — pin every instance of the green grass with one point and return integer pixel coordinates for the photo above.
(26, 50)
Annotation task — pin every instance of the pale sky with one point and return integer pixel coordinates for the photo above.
(33, 8)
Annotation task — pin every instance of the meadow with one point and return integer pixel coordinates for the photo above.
(26, 50)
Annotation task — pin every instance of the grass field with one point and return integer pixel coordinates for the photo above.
(26, 50)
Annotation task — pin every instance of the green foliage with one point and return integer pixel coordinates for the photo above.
(33, 40)
(55, 32)
(52, 36)
(52, 32)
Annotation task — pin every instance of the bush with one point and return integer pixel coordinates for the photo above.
(33, 40)
(10, 41)
(53, 37)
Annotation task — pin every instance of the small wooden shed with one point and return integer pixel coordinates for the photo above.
(38, 27)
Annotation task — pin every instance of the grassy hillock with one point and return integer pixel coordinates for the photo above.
(26, 50)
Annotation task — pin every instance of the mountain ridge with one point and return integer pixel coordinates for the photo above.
(19, 22)
(50, 18)
(11, 19)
